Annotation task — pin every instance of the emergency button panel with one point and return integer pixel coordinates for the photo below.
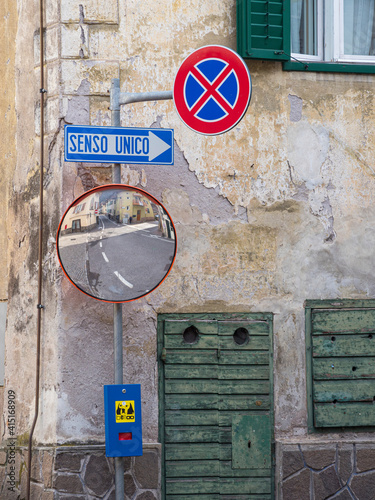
(123, 420)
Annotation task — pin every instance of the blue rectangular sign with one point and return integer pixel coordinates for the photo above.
(123, 420)
(152, 146)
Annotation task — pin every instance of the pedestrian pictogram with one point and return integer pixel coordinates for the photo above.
(212, 90)
(125, 411)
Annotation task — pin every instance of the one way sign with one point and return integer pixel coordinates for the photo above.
(118, 145)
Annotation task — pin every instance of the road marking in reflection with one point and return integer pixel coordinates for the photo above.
(160, 238)
(123, 280)
(105, 257)
(101, 244)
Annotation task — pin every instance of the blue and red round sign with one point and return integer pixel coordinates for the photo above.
(212, 90)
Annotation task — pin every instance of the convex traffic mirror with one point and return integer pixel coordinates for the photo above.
(116, 243)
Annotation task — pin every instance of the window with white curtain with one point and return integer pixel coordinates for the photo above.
(333, 30)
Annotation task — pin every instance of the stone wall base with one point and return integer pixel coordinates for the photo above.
(337, 471)
(77, 472)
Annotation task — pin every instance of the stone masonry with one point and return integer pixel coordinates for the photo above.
(337, 471)
(79, 472)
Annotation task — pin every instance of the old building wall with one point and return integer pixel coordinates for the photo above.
(23, 230)
(274, 212)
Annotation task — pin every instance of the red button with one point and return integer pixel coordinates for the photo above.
(125, 436)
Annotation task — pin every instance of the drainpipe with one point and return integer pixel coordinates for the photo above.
(40, 255)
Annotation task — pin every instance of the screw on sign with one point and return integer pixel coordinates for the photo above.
(212, 90)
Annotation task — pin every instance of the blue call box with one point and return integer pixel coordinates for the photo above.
(123, 420)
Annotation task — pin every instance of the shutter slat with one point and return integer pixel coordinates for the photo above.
(192, 451)
(343, 368)
(191, 417)
(184, 468)
(344, 345)
(196, 485)
(344, 391)
(341, 322)
(344, 414)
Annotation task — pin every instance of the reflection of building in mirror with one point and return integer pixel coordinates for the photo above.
(83, 216)
(128, 207)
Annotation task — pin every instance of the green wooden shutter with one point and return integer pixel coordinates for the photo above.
(263, 29)
(341, 363)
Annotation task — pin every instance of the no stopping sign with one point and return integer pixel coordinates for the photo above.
(212, 90)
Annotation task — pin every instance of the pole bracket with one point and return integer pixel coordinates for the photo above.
(40, 306)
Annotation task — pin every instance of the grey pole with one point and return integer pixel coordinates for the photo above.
(115, 122)
(118, 98)
(117, 308)
(129, 97)
(117, 336)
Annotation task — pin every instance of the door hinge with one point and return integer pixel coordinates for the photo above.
(163, 355)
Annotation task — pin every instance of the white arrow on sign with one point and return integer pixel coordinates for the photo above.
(157, 146)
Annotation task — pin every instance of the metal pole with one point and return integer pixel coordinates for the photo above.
(129, 97)
(117, 308)
(117, 337)
(115, 122)
(117, 99)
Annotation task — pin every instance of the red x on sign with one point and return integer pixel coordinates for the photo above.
(212, 90)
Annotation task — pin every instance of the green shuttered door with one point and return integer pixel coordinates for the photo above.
(216, 414)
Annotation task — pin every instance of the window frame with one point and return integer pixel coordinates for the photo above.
(330, 19)
(335, 54)
(245, 30)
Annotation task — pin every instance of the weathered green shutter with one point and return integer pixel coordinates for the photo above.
(216, 406)
(341, 363)
(263, 29)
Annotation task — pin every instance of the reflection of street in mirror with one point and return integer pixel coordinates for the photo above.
(116, 244)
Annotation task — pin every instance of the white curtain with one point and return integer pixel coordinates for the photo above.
(296, 14)
(359, 29)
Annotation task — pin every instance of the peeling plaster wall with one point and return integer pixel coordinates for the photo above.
(274, 212)
(23, 229)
